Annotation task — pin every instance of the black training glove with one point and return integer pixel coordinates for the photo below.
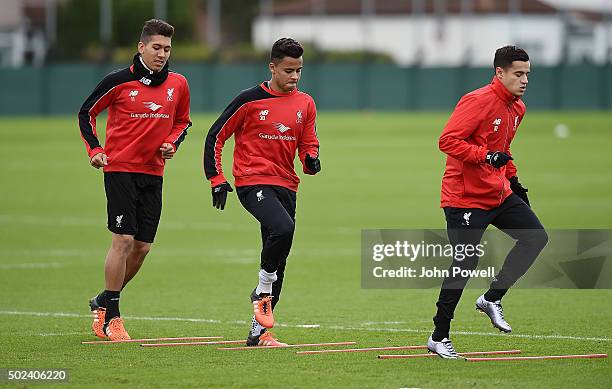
(519, 190)
(219, 195)
(312, 164)
(498, 159)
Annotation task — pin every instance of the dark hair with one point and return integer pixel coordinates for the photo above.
(285, 47)
(504, 56)
(155, 27)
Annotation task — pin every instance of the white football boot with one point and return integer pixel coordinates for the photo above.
(443, 348)
(495, 312)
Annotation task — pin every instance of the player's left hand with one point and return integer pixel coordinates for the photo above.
(219, 195)
(519, 189)
(497, 159)
(312, 164)
(167, 150)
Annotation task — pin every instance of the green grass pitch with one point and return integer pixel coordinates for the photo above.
(380, 170)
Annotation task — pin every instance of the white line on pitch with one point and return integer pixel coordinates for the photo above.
(333, 327)
(167, 225)
(61, 333)
(570, 337)
(238, 255)
(41, 265)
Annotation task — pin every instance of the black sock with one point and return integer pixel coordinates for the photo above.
(438, 335)
(112, 305)
(494, 295)
(100, 299)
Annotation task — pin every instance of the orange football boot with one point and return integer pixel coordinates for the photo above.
(115, 330)
(97, 325)
(262, 308)
(99, 314)
(268, 339)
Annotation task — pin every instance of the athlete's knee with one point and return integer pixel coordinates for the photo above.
(123, 243)
(540, 239)
(284, 230)
(141, 249)
(465, 262)
(536, 239)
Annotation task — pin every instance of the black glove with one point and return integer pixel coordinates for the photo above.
(313, 164)
(498, 159)
(219, 195)
(519, 190)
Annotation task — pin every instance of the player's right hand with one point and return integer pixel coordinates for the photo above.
(498, 159)
(99, 160)
(313, 164)
(519, 189)
(219, 195)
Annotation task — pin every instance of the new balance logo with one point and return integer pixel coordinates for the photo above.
(260, 195)
(263, 114)
(133, 95)
(152, 106)
(466, 217)
(118, 221)
(496, 123)
(281, 127)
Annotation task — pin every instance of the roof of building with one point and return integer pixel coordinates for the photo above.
(391, 7)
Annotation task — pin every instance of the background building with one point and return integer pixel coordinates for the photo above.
(360, 54)
(442, 33)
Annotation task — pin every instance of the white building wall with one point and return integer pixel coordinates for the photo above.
(425, 40)
(603, 43)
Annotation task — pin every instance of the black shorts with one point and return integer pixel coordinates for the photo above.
(133, 204)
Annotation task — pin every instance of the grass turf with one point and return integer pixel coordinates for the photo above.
(380, 170)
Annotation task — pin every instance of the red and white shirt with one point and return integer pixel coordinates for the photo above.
(269, 127)
(140, 118)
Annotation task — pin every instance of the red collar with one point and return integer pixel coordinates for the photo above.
(502, 92)
(264, 85)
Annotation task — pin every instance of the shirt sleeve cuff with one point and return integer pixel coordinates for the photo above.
(482, 155)
(217, 180)
(95, 151)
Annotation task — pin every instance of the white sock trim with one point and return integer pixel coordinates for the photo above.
(265, 282)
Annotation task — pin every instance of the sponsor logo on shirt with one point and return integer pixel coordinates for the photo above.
(276, 137)
(150, 115)
(147, 115)
(281, 127)
(152, 106)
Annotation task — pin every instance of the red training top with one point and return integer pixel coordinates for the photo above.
(484, 120)
(269, 127)
(140, 118)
